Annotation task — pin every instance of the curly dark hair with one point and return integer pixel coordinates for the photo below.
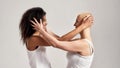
(25, 26)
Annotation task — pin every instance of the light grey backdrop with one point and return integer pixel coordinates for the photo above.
(61, 15)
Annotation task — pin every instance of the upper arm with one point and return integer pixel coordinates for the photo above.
(33, 42)
(74, 46)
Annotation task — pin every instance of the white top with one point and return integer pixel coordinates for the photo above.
(38, 58)
(76, 60)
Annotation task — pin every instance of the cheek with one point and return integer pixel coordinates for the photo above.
(45, 23)
(78, 23)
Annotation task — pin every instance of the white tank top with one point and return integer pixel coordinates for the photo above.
(76, 60)
(38, 58)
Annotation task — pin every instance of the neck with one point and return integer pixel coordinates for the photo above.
(86, 34)
(36, 33)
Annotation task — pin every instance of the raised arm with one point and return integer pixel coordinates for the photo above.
(74, 32)
(65, 45)
(69, 35)
(74, 46)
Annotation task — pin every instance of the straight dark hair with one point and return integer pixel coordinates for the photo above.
(26, 29)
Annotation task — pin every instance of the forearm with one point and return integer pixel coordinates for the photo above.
(49, 38)
(72, 33)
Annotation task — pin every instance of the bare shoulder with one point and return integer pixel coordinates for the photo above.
(34, 41)
(85, 48)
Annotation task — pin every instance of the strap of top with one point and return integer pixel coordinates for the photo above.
(90, 45)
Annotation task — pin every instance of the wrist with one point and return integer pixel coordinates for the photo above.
(81, 27)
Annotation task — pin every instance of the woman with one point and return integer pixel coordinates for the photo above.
(80, 53)
(35, 44)
(36, 54)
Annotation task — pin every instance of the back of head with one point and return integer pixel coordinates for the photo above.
(25, 26)
(82, 15)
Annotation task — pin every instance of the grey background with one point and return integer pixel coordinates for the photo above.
(61, 15)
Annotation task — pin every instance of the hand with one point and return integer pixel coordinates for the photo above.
(87, 21)
(37, 26)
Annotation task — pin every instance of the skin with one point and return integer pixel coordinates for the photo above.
(34, 41)
(77, 45)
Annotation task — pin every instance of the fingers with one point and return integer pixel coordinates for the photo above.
(86, 17)
(40, 20)
(89, 19)
(33, 23)
(41, 24)
(37, 25)
(35, 20)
